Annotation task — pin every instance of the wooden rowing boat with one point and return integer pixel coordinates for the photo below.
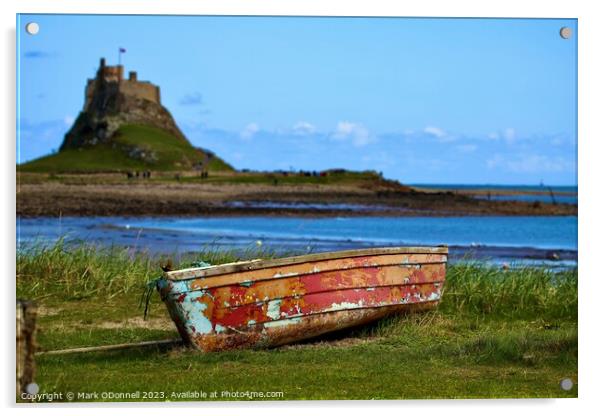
(264, 303)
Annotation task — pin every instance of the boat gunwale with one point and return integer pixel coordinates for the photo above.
(318, 292)
(257, 264)
(298, 275)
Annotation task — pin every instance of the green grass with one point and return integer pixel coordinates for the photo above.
(270, 178)
(169, 153)
(220, 174)
(497, 333)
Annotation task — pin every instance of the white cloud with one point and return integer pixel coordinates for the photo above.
(493, 136)
(530, 164)
(438, 133)
(354, 132)
(249, 131)
(69, 120)
(435, 131)
(344, 129)
(303, 128)
(495, 161)
(536, 163)
(510, 135)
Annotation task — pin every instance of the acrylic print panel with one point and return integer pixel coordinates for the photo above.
(310, 208)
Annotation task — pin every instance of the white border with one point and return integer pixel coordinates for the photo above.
(590, 135)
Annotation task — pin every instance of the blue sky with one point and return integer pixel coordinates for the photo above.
(422, 100)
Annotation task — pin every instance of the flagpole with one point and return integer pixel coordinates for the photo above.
(119, 52)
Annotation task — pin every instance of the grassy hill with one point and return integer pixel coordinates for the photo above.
(134, 147)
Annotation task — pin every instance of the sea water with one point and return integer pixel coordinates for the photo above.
(502, 238)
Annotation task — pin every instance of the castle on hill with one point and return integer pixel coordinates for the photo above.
(112, 76)
(123, 127)
(112, 101)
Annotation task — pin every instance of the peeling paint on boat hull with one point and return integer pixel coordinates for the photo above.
(269, 306)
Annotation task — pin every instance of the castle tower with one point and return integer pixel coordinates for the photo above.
(110, 78)
(111, 100)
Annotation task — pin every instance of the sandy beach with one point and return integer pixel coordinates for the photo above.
(106, 195)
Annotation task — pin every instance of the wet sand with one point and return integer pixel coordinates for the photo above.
(83, 197)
